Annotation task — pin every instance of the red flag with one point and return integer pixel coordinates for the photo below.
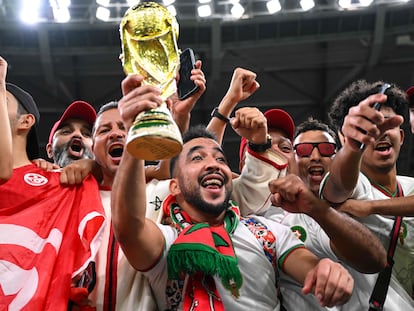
(48, 234)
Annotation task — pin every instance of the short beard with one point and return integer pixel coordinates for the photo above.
(62, 157)
(196, 200)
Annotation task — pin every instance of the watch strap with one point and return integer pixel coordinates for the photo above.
(216, 114)
(259, 148)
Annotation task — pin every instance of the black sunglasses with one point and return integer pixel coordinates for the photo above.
(305, 149)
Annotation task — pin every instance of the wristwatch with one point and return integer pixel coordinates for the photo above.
(216, 114)
(259, 148)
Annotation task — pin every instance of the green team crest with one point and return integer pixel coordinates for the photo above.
(299, 232)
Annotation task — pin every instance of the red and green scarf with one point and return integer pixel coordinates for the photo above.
(202, 251)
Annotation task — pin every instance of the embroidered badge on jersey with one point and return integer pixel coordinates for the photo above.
(299, 232)
(35, 180)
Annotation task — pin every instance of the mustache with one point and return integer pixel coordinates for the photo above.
(216, 172)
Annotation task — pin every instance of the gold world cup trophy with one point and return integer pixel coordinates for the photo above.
(149, 36)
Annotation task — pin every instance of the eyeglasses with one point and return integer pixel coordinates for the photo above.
(306, 149)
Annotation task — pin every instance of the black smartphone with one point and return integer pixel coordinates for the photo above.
(377, 106)
(185, 86)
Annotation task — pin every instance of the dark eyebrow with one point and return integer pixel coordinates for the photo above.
(196, 148)
(193, 149)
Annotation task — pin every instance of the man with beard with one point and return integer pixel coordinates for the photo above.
(70, 138)
(118, 285)
(370, 173)
(209, 247)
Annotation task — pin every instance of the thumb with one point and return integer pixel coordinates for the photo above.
(309, 282)
(131, 82)
(234, 122)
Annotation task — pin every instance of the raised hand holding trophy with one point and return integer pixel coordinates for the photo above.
(149, 36)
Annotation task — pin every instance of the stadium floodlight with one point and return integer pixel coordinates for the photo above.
(103, 14)
(273, 6)
(307, 4)
(61, 15)
(345, 4)
(204, 10)
(30, 11)
(237, 10)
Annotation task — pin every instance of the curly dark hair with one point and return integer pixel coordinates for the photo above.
(358, 91)
(312, 124)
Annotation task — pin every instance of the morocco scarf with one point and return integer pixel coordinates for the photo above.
(202, 251)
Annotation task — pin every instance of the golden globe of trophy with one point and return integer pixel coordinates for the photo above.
(149, 36)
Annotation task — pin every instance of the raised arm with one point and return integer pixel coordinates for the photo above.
(243, 84)
(363, 124)
(6, 153)
(181, 112)
(250, 189)
(140, 238)
(181, 109)
(349, 239)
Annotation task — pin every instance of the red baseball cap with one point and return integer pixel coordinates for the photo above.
(276, 119)
(410, 94)
(280, 119)
(77, 110)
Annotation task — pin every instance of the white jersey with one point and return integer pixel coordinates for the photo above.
(119, 286)
(316, 240)
(258, 291)
(403, 269)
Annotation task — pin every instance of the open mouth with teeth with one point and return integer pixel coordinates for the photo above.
(383, 148)
(316, 173)
(212, 183)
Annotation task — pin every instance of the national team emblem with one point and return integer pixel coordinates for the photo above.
(157, 203)
(299, 232)
(34, 179)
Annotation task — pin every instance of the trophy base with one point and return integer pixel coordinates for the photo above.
(153, 147)
(154, 136)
